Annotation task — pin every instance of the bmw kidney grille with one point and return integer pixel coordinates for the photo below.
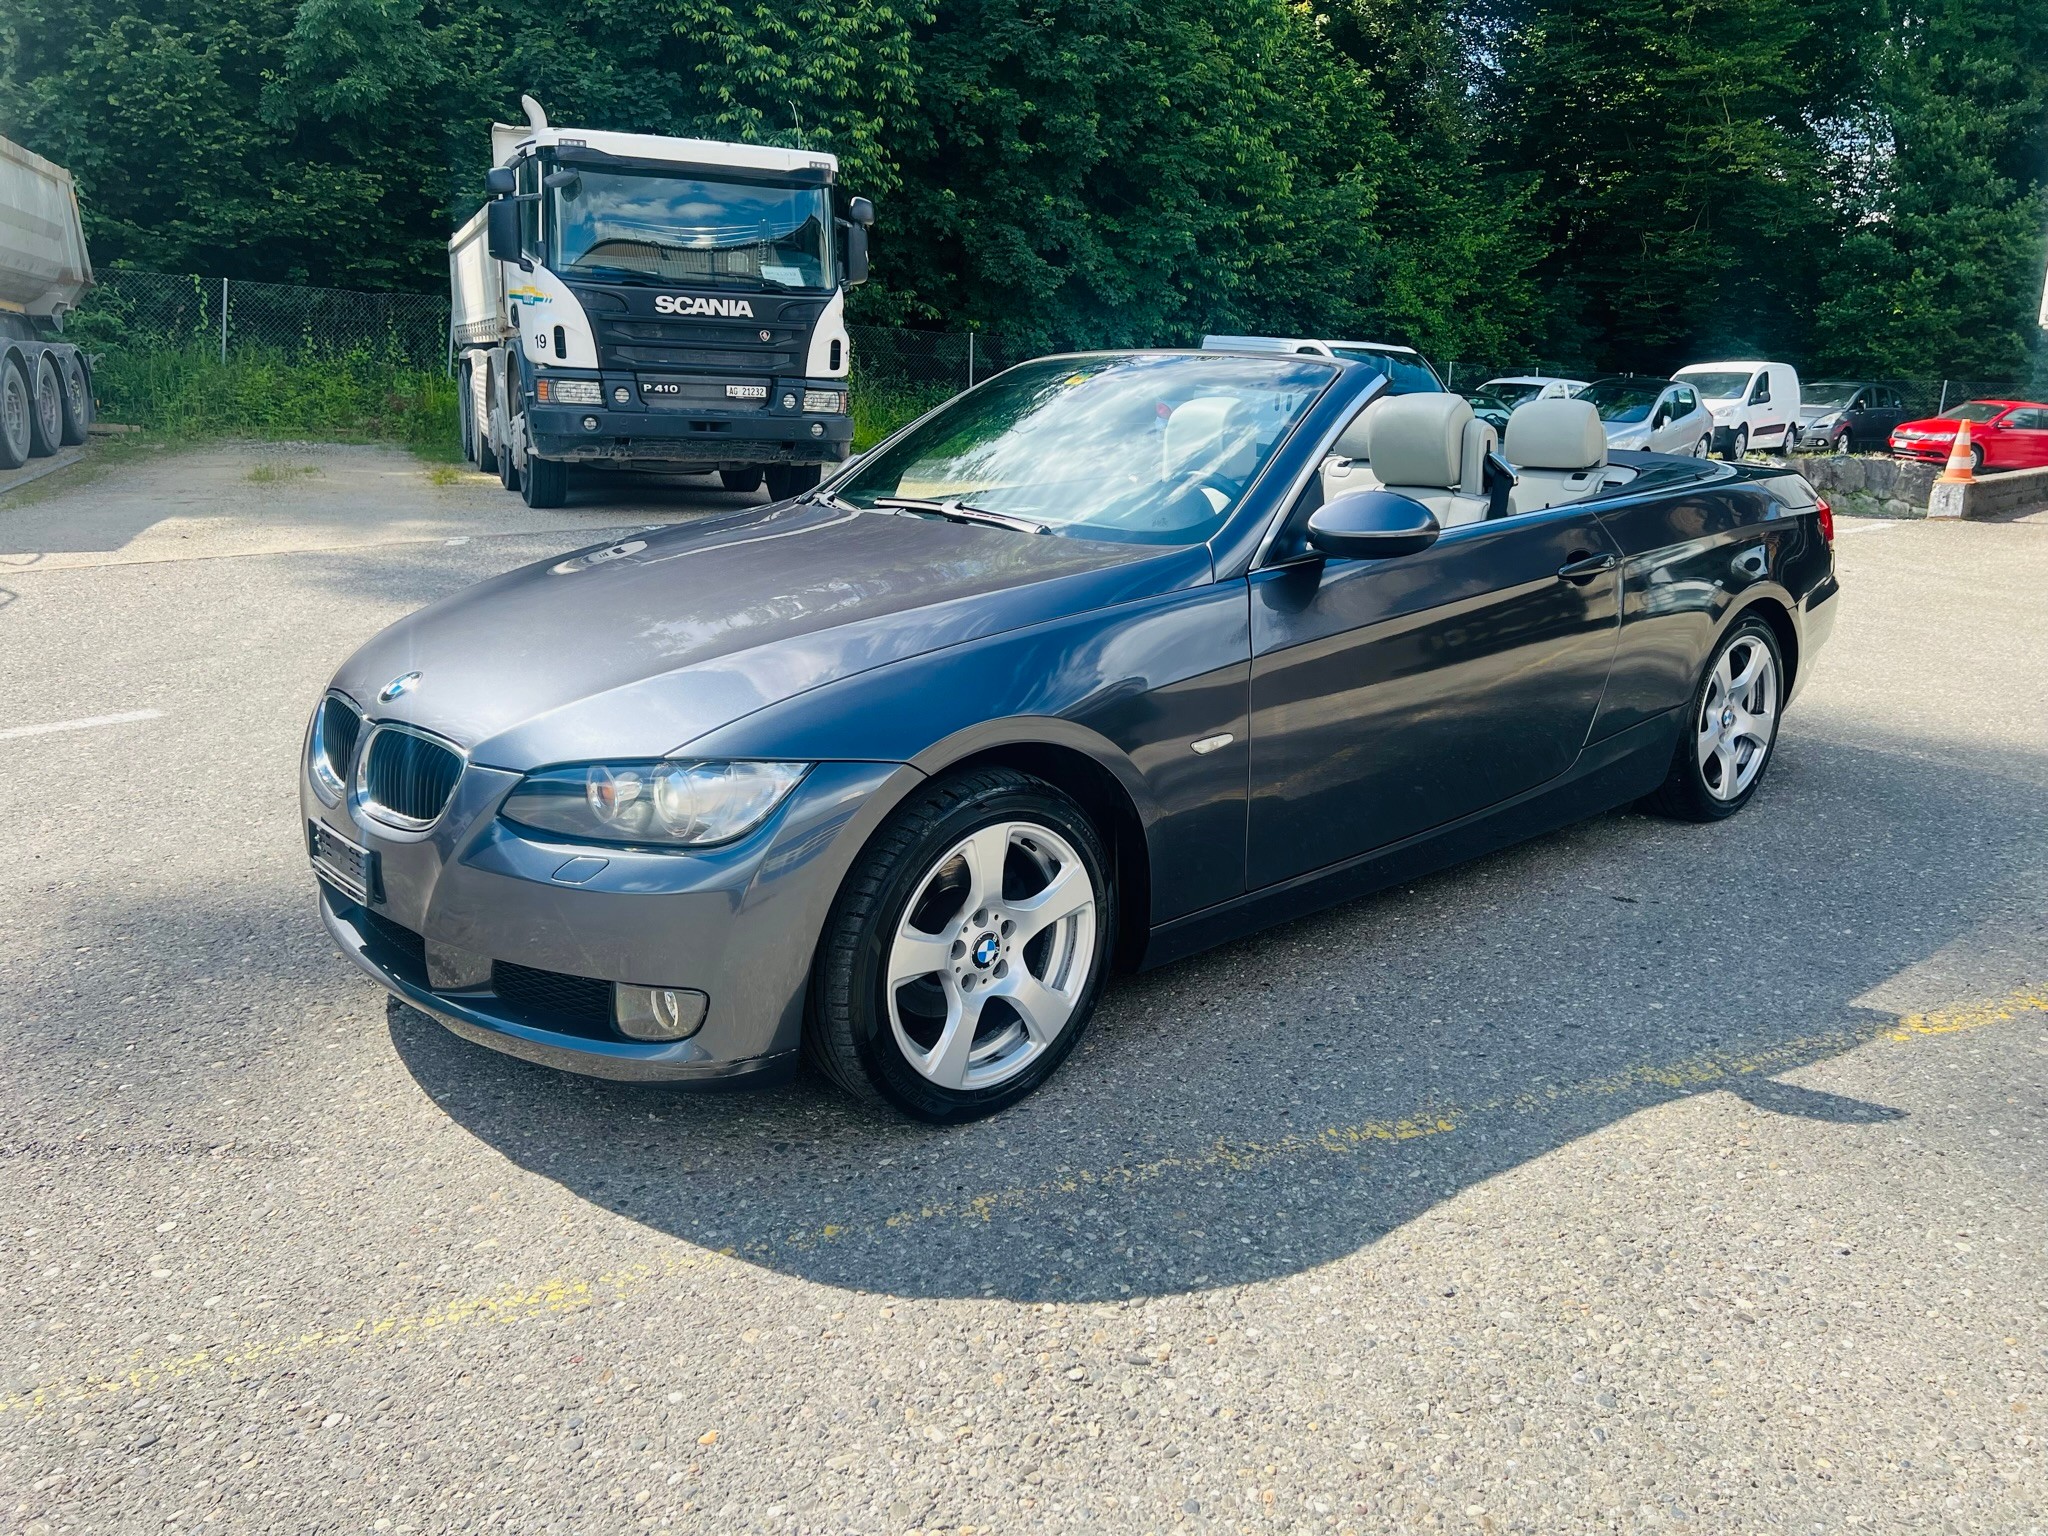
(334, 742)
(406, 778)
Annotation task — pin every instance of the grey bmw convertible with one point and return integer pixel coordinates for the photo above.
(1114, 657)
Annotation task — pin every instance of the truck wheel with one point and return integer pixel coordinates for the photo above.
(508, 466)
(740, 479)
(465, 404)
(77, 400)
(46, 422)
(16, 406)
(787, 480)
(486, 453)
(545, 483)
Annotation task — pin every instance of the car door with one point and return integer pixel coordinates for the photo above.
(2026, 438)
(1766, 419)
(1392, 696)
(1664, 423)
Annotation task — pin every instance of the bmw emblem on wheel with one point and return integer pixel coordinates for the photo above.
(398, 686)
(985, 951)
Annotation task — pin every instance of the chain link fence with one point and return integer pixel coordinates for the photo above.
(137, 312)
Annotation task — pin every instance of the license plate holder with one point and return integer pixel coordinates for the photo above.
(347, 866)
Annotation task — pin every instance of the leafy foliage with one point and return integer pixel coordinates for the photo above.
(1857, 184)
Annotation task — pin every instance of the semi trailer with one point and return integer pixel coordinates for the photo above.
(46, 399)
(633, 301)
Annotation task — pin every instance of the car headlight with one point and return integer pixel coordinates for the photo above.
(819, 401)
(572, 391)
(682, 804)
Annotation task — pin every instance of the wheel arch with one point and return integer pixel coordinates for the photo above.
(1776, 611)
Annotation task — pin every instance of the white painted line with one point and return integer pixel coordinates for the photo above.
(1842, 528)
(90, 722)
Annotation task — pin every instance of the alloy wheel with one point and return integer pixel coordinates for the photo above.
(14, 416)
(1738, 718)
(992, 956)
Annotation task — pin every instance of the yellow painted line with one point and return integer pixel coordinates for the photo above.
(565, 1295)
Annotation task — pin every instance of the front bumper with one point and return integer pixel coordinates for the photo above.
(738, 923)
(711, 437)
(1935, 451)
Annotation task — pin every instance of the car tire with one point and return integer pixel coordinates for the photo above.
(1726, 742)
(46, 421)
(1976, 458)
(886, 1029)
(787, 480)
(1704, 448)
(1738, 445)
(740, 480)
(17, 406)
(1839, 444)
(78, 410)
(545, 482)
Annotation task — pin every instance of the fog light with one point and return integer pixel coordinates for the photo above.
(590, 423)
(817, 429)
(622, 394)
(789, 402)
(657, 1013)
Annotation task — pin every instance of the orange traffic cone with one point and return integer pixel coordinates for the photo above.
(1958, 467)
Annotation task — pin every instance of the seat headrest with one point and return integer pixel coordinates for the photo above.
(1556, 434)
(1419, 440)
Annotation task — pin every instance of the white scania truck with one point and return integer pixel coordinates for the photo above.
(636, 301)
(46, 399)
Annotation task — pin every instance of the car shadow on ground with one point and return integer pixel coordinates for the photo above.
(1281, 1102)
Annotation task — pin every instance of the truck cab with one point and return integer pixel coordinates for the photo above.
(658, 303)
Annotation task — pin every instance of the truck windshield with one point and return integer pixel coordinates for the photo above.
(718, 234)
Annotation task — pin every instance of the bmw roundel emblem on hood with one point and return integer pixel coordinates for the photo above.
(398, 686)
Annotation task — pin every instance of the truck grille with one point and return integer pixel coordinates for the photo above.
(406, 777)
(682, 344)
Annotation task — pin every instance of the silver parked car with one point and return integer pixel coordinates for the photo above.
(1516, 388)
(1657, 415)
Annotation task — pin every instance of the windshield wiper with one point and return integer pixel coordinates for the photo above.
(961, 512)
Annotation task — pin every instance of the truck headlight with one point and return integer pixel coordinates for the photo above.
(680, 804)
(823, 401)
(573, 391)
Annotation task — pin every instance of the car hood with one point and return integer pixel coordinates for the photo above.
(1936, 426)
(635, 648)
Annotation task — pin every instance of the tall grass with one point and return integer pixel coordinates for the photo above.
(190, 394)
(879, 408)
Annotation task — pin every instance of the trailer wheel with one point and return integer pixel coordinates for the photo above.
(78, 411)
(46, 422)
(16, 406)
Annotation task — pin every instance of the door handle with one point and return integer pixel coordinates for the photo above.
(1584, 568)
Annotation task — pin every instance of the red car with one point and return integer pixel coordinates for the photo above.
(2004, 434)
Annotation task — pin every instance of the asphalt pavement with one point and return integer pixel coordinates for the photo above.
(1643, 1176)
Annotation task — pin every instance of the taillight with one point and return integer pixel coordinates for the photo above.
(1826, 514)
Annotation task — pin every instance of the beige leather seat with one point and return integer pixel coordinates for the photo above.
(1432, 449)
(1559, 451)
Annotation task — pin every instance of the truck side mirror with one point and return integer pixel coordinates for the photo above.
(861, 212)
(856, 254)
(501, 229)
(501, 180)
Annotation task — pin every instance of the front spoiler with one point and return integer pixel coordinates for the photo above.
(472, 1016)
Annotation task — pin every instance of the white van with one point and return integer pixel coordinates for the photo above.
(1755, 405)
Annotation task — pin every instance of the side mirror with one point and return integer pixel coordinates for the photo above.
(501, 229)
(1371, 525)
(860, 211)
(857, 253)
(568, 183)
(501, 181)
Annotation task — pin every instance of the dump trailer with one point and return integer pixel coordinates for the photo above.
(46, 398)
(633, 301)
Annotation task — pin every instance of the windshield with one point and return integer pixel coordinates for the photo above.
(1407, 373)
(718, 234)
(1827, 395)
(1720, 386)
(1976, 410)
(1137, 449)
(1618, 400)
(1515, 394)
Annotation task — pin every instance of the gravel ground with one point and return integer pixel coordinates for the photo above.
(1643, 1176)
